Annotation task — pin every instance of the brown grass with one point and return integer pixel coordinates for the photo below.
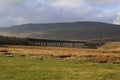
(101, 55)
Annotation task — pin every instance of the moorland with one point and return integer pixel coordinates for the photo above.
(51, 63)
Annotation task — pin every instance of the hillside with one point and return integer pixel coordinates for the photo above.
(5, 40)
(65, 31)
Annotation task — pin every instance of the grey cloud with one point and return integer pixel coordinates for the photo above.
(117, 18)
(14, 12)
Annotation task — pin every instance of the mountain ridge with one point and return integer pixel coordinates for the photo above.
(65, 31)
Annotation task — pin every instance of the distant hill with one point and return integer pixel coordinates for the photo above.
(65, 31)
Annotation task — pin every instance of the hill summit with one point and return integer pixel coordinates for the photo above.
(65, 31)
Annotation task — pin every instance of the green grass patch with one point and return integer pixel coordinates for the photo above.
(25, 68)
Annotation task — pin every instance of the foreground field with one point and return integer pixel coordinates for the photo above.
(25, 68)
(48, 63)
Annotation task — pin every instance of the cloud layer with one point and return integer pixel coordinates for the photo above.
(15, 12)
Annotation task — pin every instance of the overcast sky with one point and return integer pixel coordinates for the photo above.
(16, 12)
